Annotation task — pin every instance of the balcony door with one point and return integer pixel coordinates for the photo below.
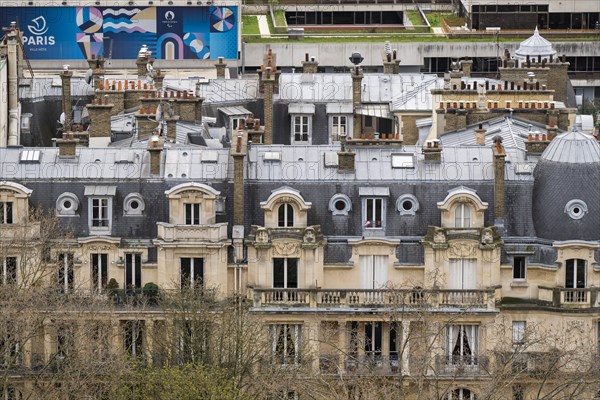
(575, 274)
(374, 270)
(462, 274)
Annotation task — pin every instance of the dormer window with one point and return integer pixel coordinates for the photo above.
(462, 216)
(100, 215)
(373, 213)
(285, 215)
(300, 129)
(100, 202)
(192, 214)
(6, 212)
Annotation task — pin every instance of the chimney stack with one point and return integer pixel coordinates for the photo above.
(467, 66)
(220, 65)
(239, 149)
(268, 89)
(480, 135)
(155, 148)
(67, 145)
(99, 130)
(499, 166)
(159, 78)
(67, 107)
(432, 152)
(143, 60)
(96, 64)
(309, 65)
(357, 77)
(146, 123)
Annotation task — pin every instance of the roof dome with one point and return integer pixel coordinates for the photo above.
(573, 147)
(535, 46)
(567, 188)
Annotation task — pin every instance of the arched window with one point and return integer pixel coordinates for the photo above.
(462, 216)
(285, 215)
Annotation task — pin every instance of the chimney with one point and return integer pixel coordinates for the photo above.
(159, 78)
(67, 107)
(239, 149)
(268, 86)
(97, 67)
(480, 135)
(67, 145)
(155, 148)
(357, 77)
(99, 130)
(499, 163)
(146, 123)
(143, 60)
(467, 66)
(309, 65)
(220, 65)
(432, 152)
(455, 75)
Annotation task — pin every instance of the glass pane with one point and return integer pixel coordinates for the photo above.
(278, 272)
(292, 272)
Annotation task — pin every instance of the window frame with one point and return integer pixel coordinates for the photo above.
(7, 210)
(462, 214)
(192, 214)
(136, 329)
(99, 271)
(337, 126)
(104, 224)
(287, 283)
(133, 271)
(287, 220)
(522, 268)
(66, 272)
(9, 277)
(371, 224)
(463, 357)
(195, 263)
(299, 123)
(518, 332)
(283, 335)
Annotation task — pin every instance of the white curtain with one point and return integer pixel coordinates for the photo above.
(453, 336)
(473, 340)
(374, 271)
(462, 274)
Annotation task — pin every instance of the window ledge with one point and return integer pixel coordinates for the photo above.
(100, 231)
(517, 284)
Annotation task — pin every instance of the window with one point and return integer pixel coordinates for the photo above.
(575, 278)
(9, 271)
(65, 341)
(407, 204)
(192, 214)
(373, 213)
(576, 209)
(6, 212)
(373, 340)
(285, 343)
(519, 268)
(300, 128)
(192, 272)
(340, 204)
(518, 332)
(100, 212)
(67, 204)
(462, 344)
(9, 346)
(134, 204)
(462, 216)
(285, 273)
(285, 215)
(133, 337)
(374, 271)
(65, 272)
(99, 271)
(368, 121)
(462, 274)
(133, 270)
(193, 340)
(339, 127)
(460, 394)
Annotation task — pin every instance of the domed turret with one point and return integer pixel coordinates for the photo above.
(566, 190)
(534, 47)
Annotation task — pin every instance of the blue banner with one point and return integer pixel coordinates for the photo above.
(74, 33)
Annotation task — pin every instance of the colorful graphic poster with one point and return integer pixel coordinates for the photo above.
(170, 33)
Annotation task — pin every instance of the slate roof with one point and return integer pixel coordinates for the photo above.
(574, 148)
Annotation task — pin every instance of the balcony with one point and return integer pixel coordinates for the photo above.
(460, 365)
(19, 233)
(569, 297)
(374, 298)
(372, 364)
(192, 233)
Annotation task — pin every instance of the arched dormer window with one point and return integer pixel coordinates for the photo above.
(285, 207)
(14, 203)
(462, 208)
(285, 215)
(192, 204)
(462, 216)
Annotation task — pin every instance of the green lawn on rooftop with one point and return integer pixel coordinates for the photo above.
(250, 25)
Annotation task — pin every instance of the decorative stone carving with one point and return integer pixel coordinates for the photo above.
(309, 235)
(487, 236)
(439, 236)
(262, 236)
(286, 249)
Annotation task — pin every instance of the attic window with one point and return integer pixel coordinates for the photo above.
(340, 204)
(30, 156)
(272, 156)
(403, 160)
(576, 209)
(407, 204)
(209, 156)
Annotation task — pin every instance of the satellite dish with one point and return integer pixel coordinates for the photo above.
(88, 76)
(159, 112)
(149, 67)
(61, 119)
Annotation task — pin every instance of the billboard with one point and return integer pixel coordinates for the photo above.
(73, 33)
